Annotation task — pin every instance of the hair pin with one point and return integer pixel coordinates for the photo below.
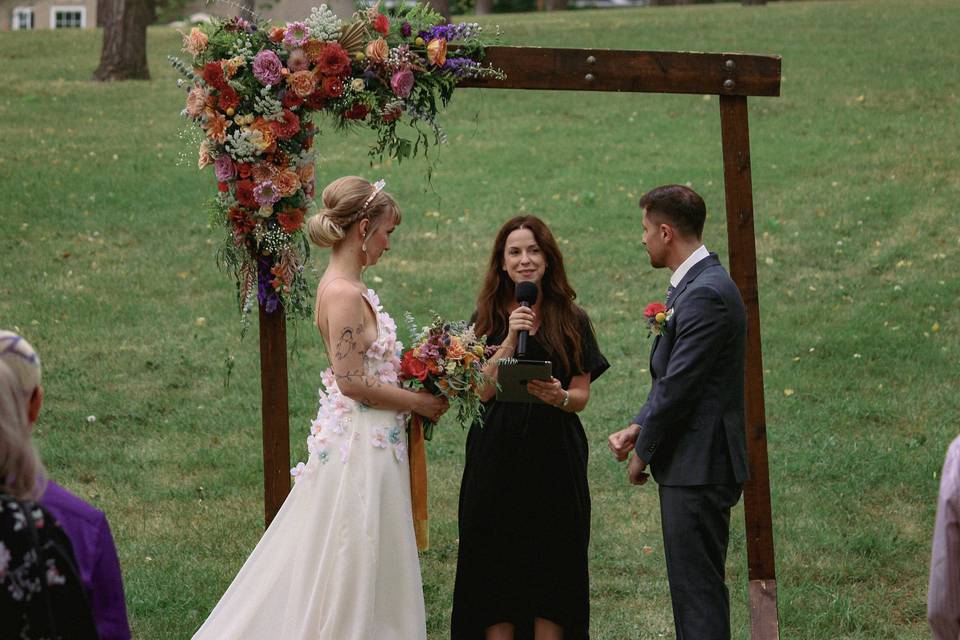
(377, 188)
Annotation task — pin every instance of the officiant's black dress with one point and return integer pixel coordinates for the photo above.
(525, 512)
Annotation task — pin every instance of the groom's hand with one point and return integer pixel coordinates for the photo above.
(635, 471)
(622, 442)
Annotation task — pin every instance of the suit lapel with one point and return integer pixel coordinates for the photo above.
(689, 277)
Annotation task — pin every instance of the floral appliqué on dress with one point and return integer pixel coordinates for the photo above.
(333, 430)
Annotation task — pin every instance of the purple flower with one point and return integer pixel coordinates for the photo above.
(406, 29)
(224, 168)
(266, 294)
(265, 193)
(296, 34)
(462, 67)
(458, 31)
(267, 67)
(402, 83)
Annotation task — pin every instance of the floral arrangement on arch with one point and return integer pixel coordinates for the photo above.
(447, 359)
(256, 90)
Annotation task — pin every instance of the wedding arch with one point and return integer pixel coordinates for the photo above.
(732, 77)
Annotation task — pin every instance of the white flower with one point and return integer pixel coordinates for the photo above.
(400, 452)
(297, 471)
(91, 419)
(379, 438)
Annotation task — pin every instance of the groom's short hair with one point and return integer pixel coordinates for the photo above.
(679, 206)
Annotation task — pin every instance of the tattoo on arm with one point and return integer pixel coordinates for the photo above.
(348, 342)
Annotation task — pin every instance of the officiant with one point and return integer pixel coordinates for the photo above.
(524, 500)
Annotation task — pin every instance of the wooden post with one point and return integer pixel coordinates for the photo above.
(274, 411)
(738, 187)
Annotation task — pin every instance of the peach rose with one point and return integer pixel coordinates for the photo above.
(437, 51)
(262, 126)
(455, 351)
(196, 101)
(377, 50)
(306, 173)
(287, 182)
(303, 83)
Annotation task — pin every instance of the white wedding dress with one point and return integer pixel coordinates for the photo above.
(339, 561)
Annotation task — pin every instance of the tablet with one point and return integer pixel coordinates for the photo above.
(513, 376)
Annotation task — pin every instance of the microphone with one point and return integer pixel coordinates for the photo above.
(526, 294)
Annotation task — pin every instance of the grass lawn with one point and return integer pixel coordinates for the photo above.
(152, 410)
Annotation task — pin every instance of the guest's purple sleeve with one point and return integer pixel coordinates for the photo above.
(943, 600)
(106, 599)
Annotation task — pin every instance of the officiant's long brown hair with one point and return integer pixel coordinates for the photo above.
(560, 318)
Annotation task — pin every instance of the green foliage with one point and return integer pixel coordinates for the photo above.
(106, 266)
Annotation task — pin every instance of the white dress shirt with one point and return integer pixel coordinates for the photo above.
(943, 599)
(691, 260)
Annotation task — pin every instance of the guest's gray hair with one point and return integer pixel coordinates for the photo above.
(22, 475)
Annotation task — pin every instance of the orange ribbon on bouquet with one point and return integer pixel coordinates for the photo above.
(417, 452)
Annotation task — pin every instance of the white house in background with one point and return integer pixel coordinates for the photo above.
(22, 15)
(17, 15)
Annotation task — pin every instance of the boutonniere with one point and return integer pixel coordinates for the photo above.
(657, 316)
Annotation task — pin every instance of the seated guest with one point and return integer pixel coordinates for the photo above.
(41, 595)
(85, 525)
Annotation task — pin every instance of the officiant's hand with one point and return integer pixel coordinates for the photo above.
(622, 442)
(635, 471)
(549, 391)
(521, 319)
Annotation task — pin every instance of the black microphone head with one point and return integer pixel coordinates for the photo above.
(527, 292)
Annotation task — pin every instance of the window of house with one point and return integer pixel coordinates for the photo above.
(73, 17)
(22, 19)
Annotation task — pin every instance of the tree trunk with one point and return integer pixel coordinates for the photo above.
(440, 6)
(556, 5)
(483, 7)
(124, 54)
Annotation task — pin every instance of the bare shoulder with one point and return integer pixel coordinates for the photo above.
(338, 291)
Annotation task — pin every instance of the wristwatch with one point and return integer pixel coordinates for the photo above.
(566, 399)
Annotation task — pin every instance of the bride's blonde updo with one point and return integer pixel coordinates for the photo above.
(346, 202)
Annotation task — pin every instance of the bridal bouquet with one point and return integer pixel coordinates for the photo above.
(447, 359)
(255, 92)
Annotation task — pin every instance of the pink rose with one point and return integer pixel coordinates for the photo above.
(402, 83)
(224, 168)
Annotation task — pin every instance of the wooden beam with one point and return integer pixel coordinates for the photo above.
(274, 411)
(731, 74)
(734, 130)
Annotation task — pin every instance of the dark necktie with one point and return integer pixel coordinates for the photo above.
(666, 302)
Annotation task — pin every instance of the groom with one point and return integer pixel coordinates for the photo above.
(690, 431)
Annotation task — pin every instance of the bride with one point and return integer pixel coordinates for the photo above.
(339, 561)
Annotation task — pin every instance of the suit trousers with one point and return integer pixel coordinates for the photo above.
(696, 530)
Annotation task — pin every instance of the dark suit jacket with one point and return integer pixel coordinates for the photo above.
(693, 421)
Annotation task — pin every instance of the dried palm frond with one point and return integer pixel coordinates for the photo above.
(352, 36)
